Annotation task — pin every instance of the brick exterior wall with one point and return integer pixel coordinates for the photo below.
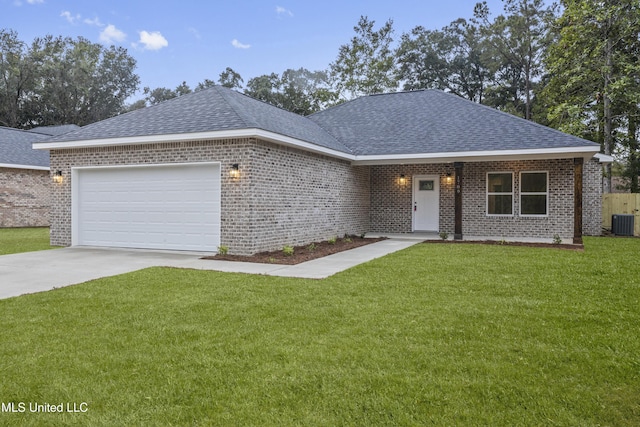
(592, 198)
(391, 202)
(25, 197)
(283, 196)
(559, 220)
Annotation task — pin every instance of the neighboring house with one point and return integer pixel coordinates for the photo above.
(219, 168)
(25, 184)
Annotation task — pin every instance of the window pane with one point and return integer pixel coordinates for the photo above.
(500, 183)
(534, 182)
(500, 205)
(533, 204)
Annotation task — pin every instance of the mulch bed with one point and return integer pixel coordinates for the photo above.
(301, 253)
(504, 243)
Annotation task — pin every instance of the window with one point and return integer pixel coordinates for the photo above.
(500, 193)
(534, 193)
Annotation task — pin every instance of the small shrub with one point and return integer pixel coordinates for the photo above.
(444, 235)
(332, 240)
(272, 260)
(557, 239)
(502, 242)
(311, 247)
(346, 239)
(223, 250)
(287, 250)
(362, 235)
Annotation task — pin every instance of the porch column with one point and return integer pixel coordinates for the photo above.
(577, 199)
(457, 234)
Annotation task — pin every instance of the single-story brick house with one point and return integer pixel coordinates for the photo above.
(217, 167)
(25, 185)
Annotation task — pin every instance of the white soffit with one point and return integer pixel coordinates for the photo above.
(447, 157)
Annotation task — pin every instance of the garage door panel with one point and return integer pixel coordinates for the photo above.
(159, 207)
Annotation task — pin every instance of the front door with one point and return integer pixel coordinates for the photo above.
(426, 203)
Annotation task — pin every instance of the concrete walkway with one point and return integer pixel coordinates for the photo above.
(45, 270)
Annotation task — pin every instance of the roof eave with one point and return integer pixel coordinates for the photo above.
(196, 136)
(14, 166)
(586, 152)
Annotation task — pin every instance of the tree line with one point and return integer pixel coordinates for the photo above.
(574, 66)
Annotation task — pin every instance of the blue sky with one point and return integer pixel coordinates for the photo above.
(191, 40)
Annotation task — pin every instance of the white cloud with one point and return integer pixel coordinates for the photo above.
(35, 1)
(235, 43)
(281, 11)
(111, 35)
(95, 21)
(69, 17)
(153, 40)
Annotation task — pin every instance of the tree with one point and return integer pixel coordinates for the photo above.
(230, 78)
(59, 80)
(16, 78)
(300, 91)
(594, 90)
(516, 43)
(366, 65)
(449, 59)
(161, 94)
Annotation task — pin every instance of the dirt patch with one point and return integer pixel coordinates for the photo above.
(503, 243)
(301, 253)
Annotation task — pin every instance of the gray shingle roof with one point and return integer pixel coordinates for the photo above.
(418, 122)
(15, 148)
(432, 121)
(54, 130)
(214, 109)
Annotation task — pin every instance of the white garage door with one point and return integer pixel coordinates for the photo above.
(157, 207)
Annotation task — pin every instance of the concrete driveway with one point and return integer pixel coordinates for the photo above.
(39, 271)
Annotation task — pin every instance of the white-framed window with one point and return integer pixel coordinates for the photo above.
(534, 193)
(500, 193)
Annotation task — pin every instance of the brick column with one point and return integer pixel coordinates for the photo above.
(457, 234)
(577, 199)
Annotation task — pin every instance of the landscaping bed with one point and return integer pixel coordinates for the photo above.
(573, 247)
(301, 253)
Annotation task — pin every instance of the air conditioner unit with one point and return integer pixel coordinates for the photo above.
(622, 225)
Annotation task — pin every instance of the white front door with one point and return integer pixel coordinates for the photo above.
(426, 203)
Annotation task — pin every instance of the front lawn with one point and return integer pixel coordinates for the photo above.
(14, 240)
(432, 335)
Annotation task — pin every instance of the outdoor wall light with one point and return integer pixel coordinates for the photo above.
(403, 179)
(234, 172)
(57, 177)
(449, 178)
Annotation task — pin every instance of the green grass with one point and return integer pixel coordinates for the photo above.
(432, 335)
(15, 240)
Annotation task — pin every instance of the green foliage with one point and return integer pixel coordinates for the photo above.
(288, 250)
(332, 240)
(60, 80)
(593, 90)
(444, 235)
(223, 249)
(367, 64)
(311, 247)
(479, 335)
(557, 239)
(300, 91)
(449, 59)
